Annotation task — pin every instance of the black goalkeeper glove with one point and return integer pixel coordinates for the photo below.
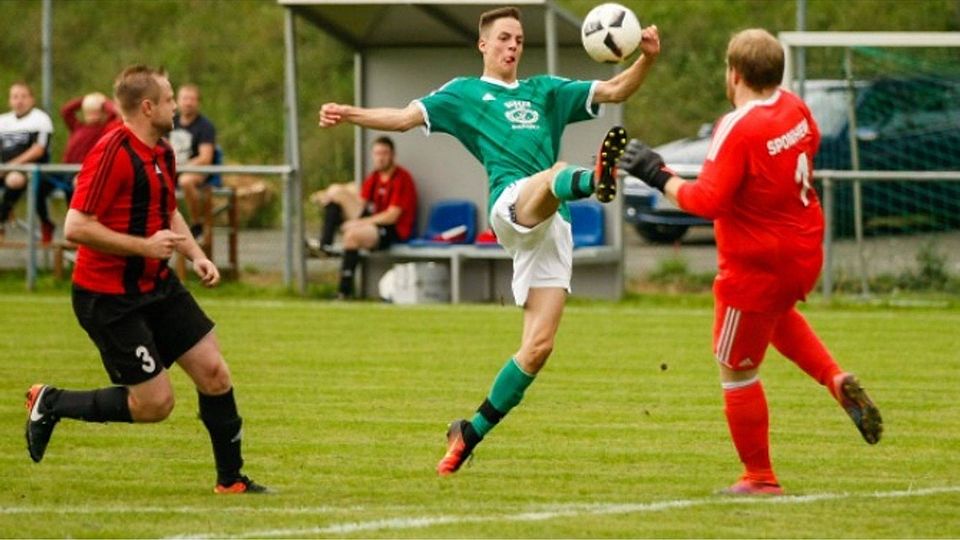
(641, 161)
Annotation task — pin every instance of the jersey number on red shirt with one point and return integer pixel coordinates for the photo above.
(802, 176)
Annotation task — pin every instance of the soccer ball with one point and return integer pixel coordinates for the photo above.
(610, 33)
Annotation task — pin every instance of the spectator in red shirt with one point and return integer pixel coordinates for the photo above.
(98, 116)
(756, 186)
(382, 213)
(124, 217)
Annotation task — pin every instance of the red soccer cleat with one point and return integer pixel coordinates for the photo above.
(744, 487)
(458, 449)
(240, 485)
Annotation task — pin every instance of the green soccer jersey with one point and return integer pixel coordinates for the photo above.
(513, 129)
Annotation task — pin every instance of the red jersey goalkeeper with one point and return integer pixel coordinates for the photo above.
(756, 186)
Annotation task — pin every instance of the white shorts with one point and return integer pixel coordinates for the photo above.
(542, 255)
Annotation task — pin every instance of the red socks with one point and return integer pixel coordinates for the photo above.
(794, 338)
(749, 422)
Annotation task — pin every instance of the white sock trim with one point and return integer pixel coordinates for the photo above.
(733, 385)
(553, 184)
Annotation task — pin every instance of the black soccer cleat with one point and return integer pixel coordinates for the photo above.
(605, 171)
(241, 484)
(39, 424)
(859, 407)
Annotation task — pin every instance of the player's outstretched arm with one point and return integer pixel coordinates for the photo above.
(625, 83)
(383, 119)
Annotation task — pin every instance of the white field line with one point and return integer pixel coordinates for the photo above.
(564, 511)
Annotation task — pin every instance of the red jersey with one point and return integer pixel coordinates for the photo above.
(756, 186)
(399, 190)
(129, 188)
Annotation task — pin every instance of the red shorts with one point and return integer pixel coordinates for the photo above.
(740, 338)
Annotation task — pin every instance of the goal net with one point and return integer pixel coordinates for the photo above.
(884, 102)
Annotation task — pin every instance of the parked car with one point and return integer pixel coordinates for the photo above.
(657, 219)
(902, 124)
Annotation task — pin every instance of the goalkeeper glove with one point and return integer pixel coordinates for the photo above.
(641, 161)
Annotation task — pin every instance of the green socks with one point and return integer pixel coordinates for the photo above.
(572, 183)
(506, 393)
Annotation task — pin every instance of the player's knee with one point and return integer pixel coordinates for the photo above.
(351, 239)
(336, 192)
(154, 408)
(190, 180)
(215, 380)
(15, 180)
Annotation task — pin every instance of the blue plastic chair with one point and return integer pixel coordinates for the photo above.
(586, 220)
(215, 180)
(445, 215)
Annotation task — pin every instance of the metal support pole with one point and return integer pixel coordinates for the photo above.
(359, 134)
(550, 37)
(294, 257)
(801, 61)
(32, 186)
(46, 69)
(828, 203)
(855, 165)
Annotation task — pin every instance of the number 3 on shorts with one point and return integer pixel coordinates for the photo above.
(149, 364)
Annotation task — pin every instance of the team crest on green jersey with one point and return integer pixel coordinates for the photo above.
(521, 114)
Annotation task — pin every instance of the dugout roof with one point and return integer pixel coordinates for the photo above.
(369, 23)
(406, 49)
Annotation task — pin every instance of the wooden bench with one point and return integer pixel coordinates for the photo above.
(211, 211)
(62, 249)
(57, 248)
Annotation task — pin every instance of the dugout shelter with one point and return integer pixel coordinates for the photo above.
(406, 49)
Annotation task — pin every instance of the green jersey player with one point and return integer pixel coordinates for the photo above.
(514, 127)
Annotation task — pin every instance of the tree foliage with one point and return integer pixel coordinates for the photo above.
(233, 49)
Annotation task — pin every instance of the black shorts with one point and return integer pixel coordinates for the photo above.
(138, 334)
(388, 236)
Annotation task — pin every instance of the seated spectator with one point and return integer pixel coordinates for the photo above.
(98, 115)
(194, 140)
(25, 134)
(382, 213)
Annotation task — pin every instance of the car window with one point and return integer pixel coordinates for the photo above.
(829, 108)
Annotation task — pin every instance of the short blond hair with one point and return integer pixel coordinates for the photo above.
(758, 57)
(93, 102)
(135, 84)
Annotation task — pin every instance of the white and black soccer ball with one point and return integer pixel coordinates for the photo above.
(610, 33)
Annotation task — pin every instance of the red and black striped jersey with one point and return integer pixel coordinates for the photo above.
(129, 187)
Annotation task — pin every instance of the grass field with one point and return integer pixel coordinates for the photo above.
(623, 435)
